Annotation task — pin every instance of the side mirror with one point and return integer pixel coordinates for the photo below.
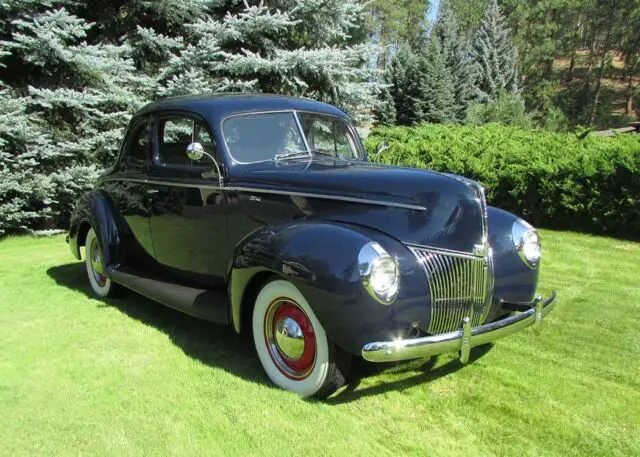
(383, 147)
(195, 151)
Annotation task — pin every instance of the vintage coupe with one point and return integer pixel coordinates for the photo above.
(262, 212)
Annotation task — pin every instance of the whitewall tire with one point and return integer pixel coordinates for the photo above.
(101, 284)
(292, 345)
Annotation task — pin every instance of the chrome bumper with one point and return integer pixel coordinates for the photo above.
(461, 340)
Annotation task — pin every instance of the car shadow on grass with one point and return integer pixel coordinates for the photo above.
(425, 372)
(214, 345)
(220, 346)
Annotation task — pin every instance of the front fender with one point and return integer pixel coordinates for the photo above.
(320, 259)
(96, 210)
(513, 280)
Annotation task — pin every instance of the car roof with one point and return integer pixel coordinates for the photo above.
(222, 105)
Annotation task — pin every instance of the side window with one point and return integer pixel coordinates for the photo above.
(344, 148)
(175, 134)
(140, 147)
(321, 135)
(329, 135)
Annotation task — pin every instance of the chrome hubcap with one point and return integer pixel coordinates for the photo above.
(95, 256)
(290, 339)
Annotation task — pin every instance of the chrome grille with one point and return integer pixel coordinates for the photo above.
(461, 285)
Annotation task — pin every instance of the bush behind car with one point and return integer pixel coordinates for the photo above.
(555, 180)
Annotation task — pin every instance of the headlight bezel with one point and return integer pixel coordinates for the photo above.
(526, 240)
(373, 256)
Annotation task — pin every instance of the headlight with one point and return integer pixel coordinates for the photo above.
(379, 272)
(527, 242)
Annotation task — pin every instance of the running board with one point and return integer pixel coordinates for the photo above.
(207, 304)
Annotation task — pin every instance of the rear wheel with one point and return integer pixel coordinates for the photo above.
(101, 285)
(292, 345)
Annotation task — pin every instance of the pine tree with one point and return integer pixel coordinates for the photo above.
(74, 75)
(260, 49)
(384, 109)
(438, 103)
(405, 86)
(496, 55)
(73, 101)
(420, 86)
(462, 67)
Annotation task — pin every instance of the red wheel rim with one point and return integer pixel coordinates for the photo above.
(290, 338)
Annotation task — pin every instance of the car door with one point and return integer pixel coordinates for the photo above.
(127, 188)
(188, 211)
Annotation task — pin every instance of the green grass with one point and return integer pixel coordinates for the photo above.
(79, 376)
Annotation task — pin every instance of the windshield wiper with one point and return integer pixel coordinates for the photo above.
(296, 154)
(324, 152)
(291, 155)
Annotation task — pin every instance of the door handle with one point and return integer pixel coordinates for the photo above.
(152, 191)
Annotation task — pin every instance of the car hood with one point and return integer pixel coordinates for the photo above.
(414, 206)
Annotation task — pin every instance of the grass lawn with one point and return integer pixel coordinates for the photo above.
(79, 376)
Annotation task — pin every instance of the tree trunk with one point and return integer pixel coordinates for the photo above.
(627, 107)
(603, 61)
(572, 65)
(592, 51)
(575, 44)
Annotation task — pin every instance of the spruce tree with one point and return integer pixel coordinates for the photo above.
(462, 67)
(438, 104)
(73, 76)
(67, 103)
(384, 109)
(297, 50)
(405, 86)
(496, 55)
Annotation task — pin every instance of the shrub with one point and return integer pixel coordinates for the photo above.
(506, 109)
(553, 180)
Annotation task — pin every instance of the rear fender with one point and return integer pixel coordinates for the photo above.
(95, 209)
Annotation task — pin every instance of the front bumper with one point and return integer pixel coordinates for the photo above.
(461, 340)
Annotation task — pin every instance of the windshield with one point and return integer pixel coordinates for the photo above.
(273, 136)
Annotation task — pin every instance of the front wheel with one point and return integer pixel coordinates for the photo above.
(292, 345)
(100, 283)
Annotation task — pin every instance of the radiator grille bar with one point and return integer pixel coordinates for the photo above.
(461, 286)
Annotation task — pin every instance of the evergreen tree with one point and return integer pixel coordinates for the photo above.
(462, 67)
(259, 49)
(438, 104)
(73, 76)
(405, 86)
(384, 109)
(393, 23)
(67, 104)
(496, 55)
(420, 86)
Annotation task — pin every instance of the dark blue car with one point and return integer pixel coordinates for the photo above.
(263, 212)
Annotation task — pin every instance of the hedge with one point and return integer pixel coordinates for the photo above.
(555, 180)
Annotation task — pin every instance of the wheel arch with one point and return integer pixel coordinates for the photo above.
(320, 259)
(96, 210)
(83, 230)
(243, 300)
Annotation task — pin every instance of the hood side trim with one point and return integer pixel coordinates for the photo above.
(327, 197)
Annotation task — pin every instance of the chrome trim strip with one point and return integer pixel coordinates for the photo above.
(163, 183)
(459, 340)
(444, 251)
(267, 191)
(301, 132)
(327, 197)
